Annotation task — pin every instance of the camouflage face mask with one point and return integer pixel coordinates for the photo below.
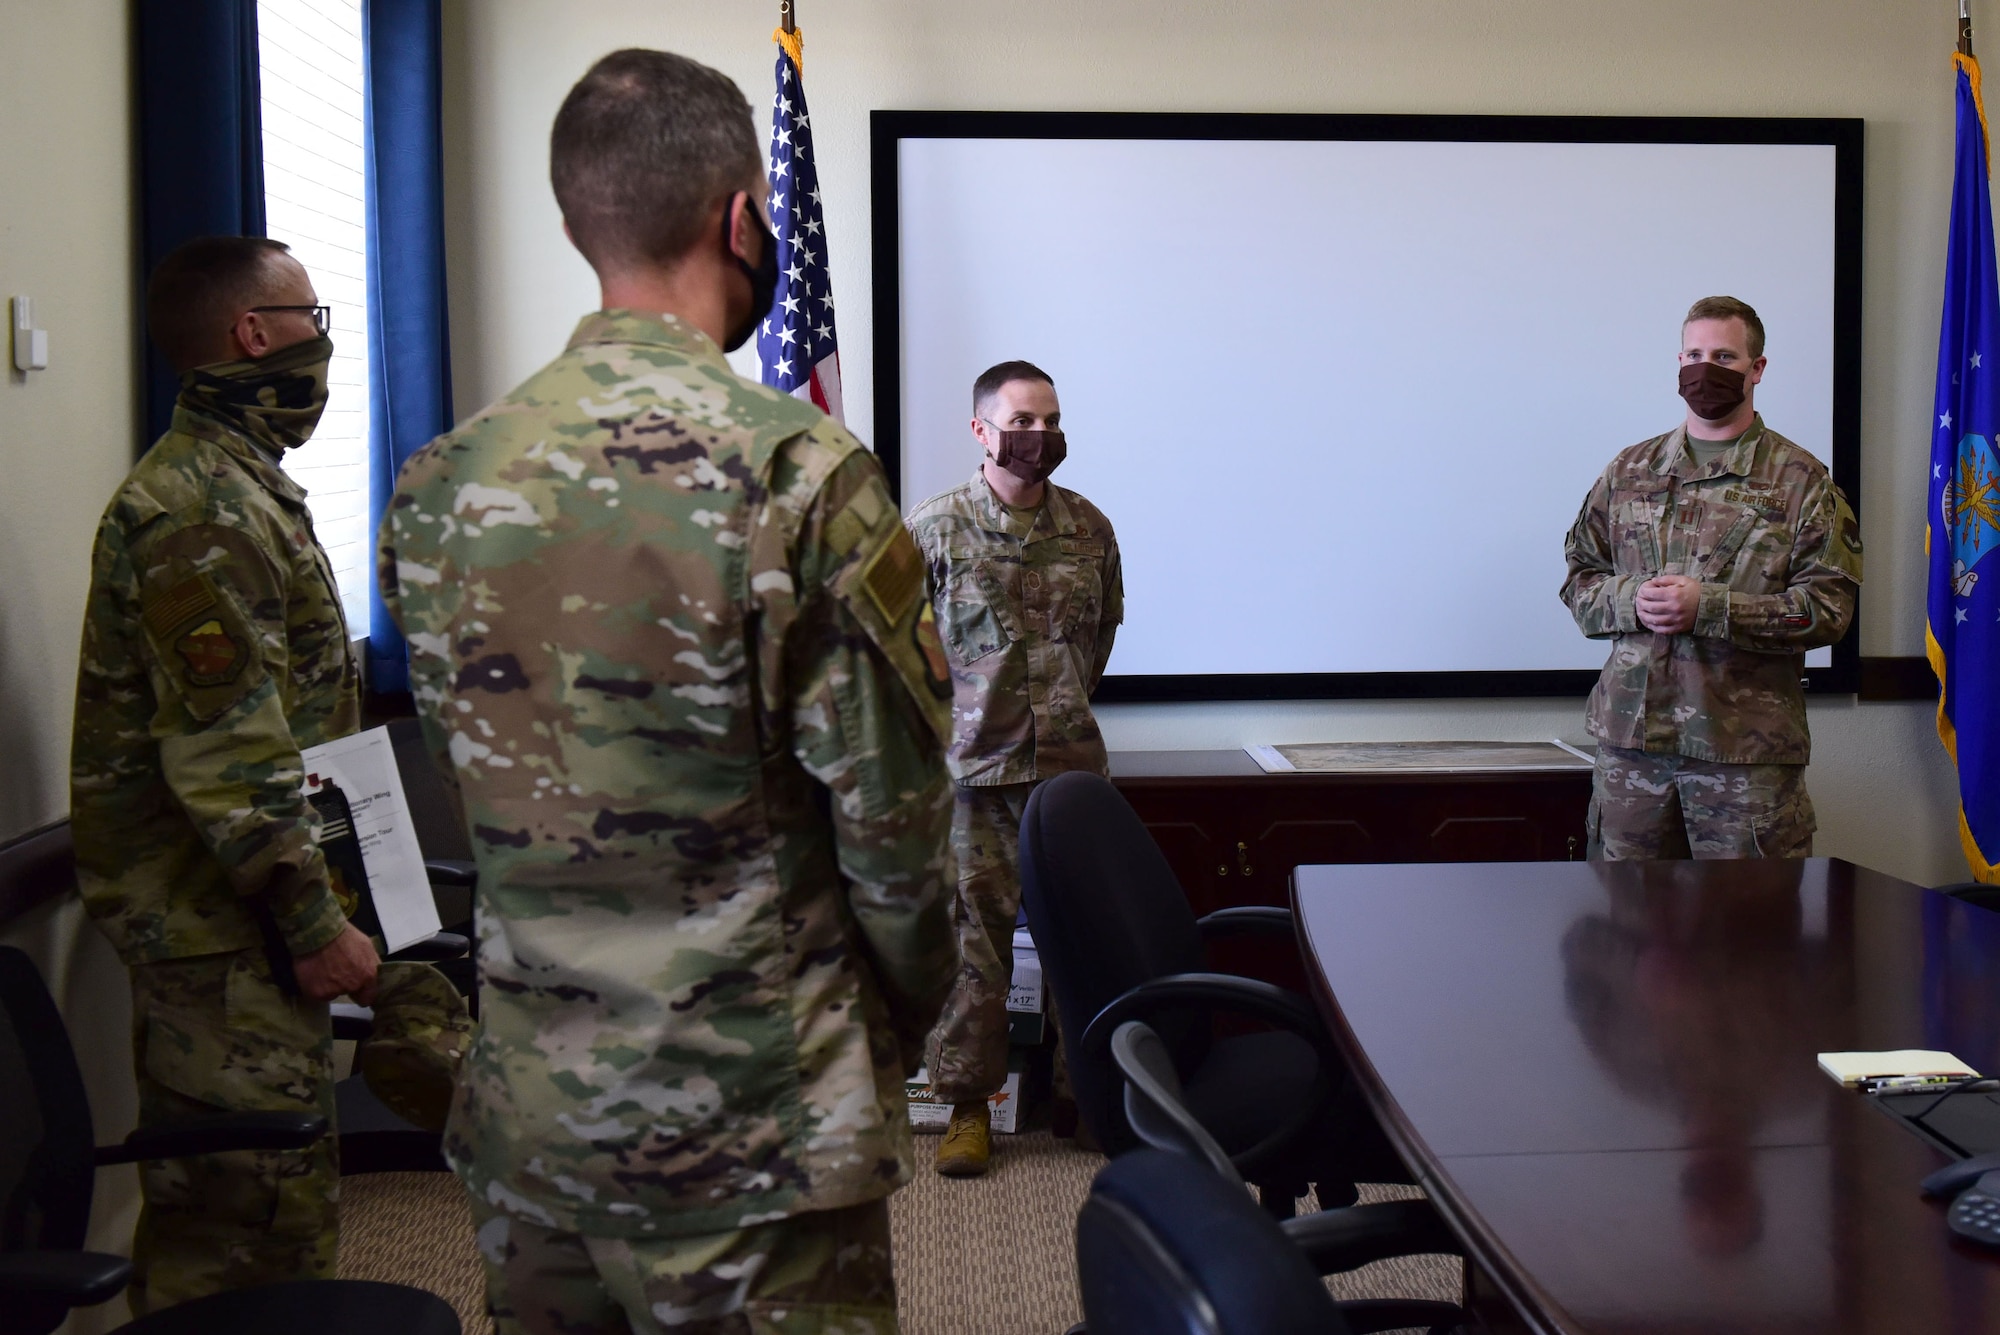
(276, 399)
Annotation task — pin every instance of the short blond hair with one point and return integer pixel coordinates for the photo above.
(1729, 308)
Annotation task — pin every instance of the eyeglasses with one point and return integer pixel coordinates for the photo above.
(322, 315)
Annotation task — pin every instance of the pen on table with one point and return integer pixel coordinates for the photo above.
(1915, 1084)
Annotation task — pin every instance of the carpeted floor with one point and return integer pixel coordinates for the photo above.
(986, 1256)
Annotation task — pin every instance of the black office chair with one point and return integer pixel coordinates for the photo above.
(1118, 942)
(48, 1157)
(1343, 1238)
(1976, 893)
(1166, 1244)
(438, 823)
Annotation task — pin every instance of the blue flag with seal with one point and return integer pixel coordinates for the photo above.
(1963, 530)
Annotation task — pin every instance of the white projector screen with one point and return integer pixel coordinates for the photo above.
(1342, 396)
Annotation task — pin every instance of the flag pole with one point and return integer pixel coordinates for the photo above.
(1964, 24)
(788, 22)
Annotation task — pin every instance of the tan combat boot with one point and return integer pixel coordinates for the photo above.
(968, 1141)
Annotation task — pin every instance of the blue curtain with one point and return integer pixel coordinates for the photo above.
(409, 359)
(201, 144)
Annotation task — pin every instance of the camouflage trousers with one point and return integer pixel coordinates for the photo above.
(1645, 804)
(213, 1034)
(821, 1273)
(967, 1051)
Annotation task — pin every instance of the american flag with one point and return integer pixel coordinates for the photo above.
(796, 343)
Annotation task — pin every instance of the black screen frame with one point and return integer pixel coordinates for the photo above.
(1845, 135)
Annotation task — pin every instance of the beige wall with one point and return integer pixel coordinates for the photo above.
(1884, 788)
(67, 237)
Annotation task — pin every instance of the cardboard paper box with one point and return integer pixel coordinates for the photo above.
(1026, 993)
(928, 1114)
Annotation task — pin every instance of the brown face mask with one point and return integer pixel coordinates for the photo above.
(1712, 391)
(1030, 455)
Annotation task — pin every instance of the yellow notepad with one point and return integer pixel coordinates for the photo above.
(1851, 1068)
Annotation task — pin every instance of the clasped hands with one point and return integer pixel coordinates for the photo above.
(1667, 604)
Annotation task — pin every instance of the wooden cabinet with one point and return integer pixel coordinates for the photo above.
(1233, 833)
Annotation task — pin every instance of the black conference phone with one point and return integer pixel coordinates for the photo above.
(1975, 1214)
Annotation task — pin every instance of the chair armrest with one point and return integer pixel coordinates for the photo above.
(1351, 1237)
(1244, 996)
(1153, 1104)
(218, 1135)
(1181, 991)
(436, 946)
(76, 1279)
(1366, 1316)
(1246, 920)
(451, 871)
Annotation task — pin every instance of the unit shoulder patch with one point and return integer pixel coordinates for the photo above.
(894, 577)
(202, 641)
(211, 654)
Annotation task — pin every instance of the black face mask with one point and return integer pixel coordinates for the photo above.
(1712, 391)
(763, 278)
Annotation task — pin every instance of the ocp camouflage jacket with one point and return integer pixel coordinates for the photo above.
(214, 650)
(670, 638)
(1778, 554)
(1028, 610)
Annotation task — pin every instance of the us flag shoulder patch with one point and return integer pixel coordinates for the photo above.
(178, 605)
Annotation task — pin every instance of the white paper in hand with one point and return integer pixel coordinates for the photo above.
(363, 767)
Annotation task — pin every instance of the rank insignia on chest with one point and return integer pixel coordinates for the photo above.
(212, 656)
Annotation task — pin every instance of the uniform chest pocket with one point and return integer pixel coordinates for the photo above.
(1078, 574)
(1636, 521)
(1747, 545)
(975, 618)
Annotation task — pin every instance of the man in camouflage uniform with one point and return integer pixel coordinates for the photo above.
(1712, 557)
(214, 649)
(670, 638)
(1029, 595)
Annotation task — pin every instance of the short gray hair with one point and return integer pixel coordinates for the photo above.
(644, 144)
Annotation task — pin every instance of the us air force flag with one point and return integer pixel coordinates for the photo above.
(1963, 638)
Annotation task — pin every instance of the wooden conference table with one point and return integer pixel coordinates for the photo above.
(1604, 1075)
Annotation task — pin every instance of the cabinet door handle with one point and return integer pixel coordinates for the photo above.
(1243, 857)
